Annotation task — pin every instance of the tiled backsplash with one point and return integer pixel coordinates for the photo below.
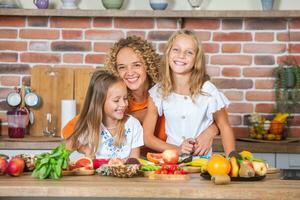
(241, 53)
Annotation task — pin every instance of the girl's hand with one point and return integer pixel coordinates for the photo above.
(187, 146)
(204, 141)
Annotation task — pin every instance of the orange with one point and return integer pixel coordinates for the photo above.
(218, 165)
(155, 157)
(276, 127)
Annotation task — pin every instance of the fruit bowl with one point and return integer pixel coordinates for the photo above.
(124, 171)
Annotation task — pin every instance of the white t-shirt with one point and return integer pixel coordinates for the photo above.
(185, 118)
(133, 139)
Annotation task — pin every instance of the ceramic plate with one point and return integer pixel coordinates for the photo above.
(254, 178)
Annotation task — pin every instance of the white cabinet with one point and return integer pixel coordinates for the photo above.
(287, 161)
(270, 158)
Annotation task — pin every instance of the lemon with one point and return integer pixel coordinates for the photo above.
(246, 155)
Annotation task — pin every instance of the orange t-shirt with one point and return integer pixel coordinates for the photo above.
(68, 129)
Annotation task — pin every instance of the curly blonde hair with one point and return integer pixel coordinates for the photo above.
(143, 49)
(198, 76)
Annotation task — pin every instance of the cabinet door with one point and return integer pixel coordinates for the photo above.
(288, 161)
(269, 157)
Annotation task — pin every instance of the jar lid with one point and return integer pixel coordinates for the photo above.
(13, 99)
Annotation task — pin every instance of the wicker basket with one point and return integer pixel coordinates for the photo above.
(268, 130)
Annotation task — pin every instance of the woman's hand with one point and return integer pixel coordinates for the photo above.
(84, 149)
(187, 146)
(204, 141)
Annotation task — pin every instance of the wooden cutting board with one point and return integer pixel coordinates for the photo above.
(81, 83)
(53, 85)
(169, 177)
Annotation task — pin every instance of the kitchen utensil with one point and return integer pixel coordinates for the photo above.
(13, 99)
(158, 4)
(41, 4)
(17, 123)
(32, 100)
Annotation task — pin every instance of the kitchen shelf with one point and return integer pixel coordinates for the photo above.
(155, 14)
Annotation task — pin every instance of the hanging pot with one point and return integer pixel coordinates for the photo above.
(112, 4)
(267, 4)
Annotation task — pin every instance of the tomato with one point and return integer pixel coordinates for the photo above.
(158, 171)
(164, 171)
(173, 168)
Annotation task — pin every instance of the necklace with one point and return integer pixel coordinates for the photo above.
(110, 128)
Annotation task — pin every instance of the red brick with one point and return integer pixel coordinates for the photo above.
(9, 80)
(102, 22)
(95, 58)
(8, 57)
(3, 117)
(134, 23)
(203, 35)
(264, 37)
(260, 96)
(233, 83)
(38, 21)
(282, 59)
(140, 34)
(70, 22)
(265, 24)
(159, 35)
(234, 95)
(295, 121)
(12, 21)
(39, 46)
(231, 60)
(232, 36)
(295, 48)
(235, 120)
(210, 47)
(4, 106)
(166, 23)
(40, 57)
(39, 34)
(13, 45)
(231, 72)
(14, 68)
(213, 71)
(5, 91)
(72, 34)
(264, 84)
(196, 23)
(294, 132)
(294, 23)
(284, 37)
(240, 132)
(264, 108)
(294, 36)
(102, 47)
(258, 72)
(103, 35)
(264, 60)
(231, 48)
(73, 58)
(8, 33)
(71, 46)
(240, 108)
(264, 48)
(230, 24)
(4, 130)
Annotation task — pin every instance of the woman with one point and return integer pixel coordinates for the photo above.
(137, 63)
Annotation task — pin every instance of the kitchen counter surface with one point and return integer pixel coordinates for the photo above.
(255, 147)
(272, 187)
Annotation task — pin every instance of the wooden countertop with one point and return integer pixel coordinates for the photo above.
(44, 143)
(155, 14)
(272, 187)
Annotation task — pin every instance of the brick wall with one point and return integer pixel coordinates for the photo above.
(241, 53)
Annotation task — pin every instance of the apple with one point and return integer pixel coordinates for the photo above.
(170, 156)
(260, 168)
(15, 166)
(3, 165)
(248, 162)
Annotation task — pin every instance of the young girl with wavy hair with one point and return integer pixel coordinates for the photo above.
(189, 102)
(103, 129)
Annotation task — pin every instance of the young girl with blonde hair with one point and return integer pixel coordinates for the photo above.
(103, 129)
(189, 102)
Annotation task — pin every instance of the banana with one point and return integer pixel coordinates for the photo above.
(145, 162)
(199, 162)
